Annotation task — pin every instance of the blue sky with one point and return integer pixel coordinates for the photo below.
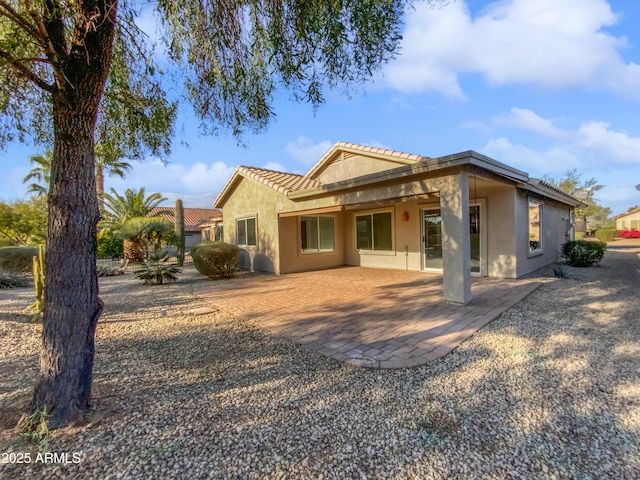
(545, 86)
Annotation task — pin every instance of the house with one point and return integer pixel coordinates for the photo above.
(212, 230)
(461, 215)
(194, 218)
(628, 220)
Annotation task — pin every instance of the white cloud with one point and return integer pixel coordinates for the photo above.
(544, 43)
(607, 145)
(192, 180)
(278, 167)
(554, 160)
(528, 120)
(305, 151)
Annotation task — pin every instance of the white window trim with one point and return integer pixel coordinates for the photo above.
(540, 250)
(393, 231)
(247, 217)
(317, 252)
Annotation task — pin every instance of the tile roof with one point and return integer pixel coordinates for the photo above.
(280, 181)
(380, 151)
(193, 217)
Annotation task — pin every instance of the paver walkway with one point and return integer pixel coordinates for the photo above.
(367, 317)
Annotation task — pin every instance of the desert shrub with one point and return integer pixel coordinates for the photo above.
(581, 253)
(157, 269)
(109, 244)
(606, 234)
(579, 235)
(17, 259)
(215, 259)
(12, 280)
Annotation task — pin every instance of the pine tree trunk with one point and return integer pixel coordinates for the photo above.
(72, 306)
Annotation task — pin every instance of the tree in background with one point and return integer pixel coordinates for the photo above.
(595, 215)
(119, 209)
(142, 233)
(91, 66)
(23, 222)
(40, 173)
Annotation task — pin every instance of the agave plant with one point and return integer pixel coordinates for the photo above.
(158, 269)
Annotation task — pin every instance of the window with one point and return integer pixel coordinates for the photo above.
(219, 233)
(317, 233)
(374, 231)
(246, 231)
(535, 222)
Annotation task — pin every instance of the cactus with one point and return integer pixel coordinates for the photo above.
(179, 229)
(37, 307)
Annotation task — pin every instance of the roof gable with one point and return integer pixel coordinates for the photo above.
(344, 161)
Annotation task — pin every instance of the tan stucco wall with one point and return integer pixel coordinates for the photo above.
(553, 233)
(294, 260)
(504, 242)
(625, 222)
(352, 166)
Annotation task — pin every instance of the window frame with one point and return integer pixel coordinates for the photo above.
(371, 213)
(317, 251)
(539, 249)
(246, 231)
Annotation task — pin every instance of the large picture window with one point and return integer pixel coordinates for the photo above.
(535, 224)
(246, 231)
(374, 231)
(317, 233)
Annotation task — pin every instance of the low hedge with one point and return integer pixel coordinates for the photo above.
(215, 259)
(606, 234)
(582, 253)
(17, 259)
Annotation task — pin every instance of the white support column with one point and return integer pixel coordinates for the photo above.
(456, 242)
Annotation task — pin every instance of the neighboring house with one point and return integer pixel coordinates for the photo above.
(212, 230)
(628, 220)
(464, 214)
(194, 218)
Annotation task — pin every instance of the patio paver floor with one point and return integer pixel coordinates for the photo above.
(367, 317)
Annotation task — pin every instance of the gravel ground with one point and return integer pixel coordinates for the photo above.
(550, 389)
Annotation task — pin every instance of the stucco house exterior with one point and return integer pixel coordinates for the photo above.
(461, 215)
(194, 218)
(628, 220)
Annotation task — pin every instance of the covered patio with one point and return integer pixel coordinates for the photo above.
(369, 317)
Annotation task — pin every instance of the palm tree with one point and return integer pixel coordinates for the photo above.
(142, 233)
(40, 174)
(119, 209)
(110, 162)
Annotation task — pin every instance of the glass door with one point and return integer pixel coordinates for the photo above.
(432, 239)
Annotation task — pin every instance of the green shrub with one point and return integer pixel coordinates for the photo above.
(606, 234)
(17, 259)
(215, 259)
(157, 269)
(109, 245)
(581, 253)
(579, 235)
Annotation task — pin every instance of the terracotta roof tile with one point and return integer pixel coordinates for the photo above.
(193, 217)
(280, 181)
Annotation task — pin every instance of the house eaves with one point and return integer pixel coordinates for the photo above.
(544, 189)
(425, 166)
